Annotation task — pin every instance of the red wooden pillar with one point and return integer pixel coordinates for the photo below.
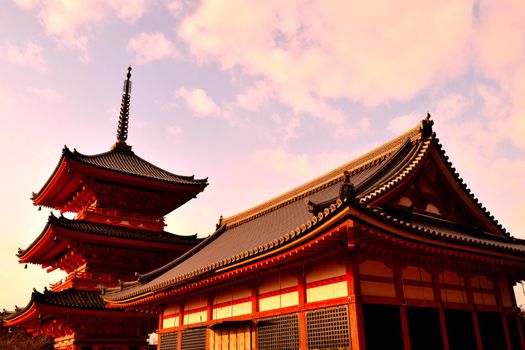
(355, 308)
(209, 318)
(400, 293)
(301, 288)
(436, 285)
(255, 311)
(161, 317)
(499, 302)
(181, 324)
(476, 330)
(470, 300)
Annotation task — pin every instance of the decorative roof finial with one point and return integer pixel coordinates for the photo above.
(122, 131)
(426, 126)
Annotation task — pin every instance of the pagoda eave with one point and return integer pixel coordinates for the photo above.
(70, 176)
(50, 246)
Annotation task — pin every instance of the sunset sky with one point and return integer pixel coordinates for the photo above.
(259, 96)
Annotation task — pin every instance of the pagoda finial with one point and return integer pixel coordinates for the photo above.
(122, 131)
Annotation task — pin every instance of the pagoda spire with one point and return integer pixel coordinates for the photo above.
(123, 122)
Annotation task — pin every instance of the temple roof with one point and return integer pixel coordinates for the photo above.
(104, 230)
(124, 161)
(359, 185)
(68, 299)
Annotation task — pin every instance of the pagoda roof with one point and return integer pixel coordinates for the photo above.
(353, 190)
(69, 300)
(103, 231)
(121, 160)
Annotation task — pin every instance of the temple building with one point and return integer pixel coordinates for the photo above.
(120, 201)
(388, 251)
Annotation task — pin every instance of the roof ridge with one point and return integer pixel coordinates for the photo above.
(322, 181)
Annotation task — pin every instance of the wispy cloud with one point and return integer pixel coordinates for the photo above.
(199, 102)
(149, 47)
(30, 55)
(313, 52)
(71, 22)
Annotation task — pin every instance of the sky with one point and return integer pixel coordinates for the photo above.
(258, 96)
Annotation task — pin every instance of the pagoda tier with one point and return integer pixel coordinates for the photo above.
(79, 320)
(81, 246)
(117, 187)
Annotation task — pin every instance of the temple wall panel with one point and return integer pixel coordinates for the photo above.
(170, 316)
(376, 279)
(505, 292)
(325, 271)
(375, 268)
(453, 287)
(326, 281)
(278, 281)
(195, 317)
(378, 289)
(238, 309)
(278, 291)
(483, 291)
(278, 301)
(170, 322)
(417, 283)
(232, 302)
(195, 311)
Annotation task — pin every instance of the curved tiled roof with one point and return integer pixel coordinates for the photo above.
(123, 160)
(454, 233)
(267, 227)
(69, 298)
(112, 231)
(278, 222)
(127, 162)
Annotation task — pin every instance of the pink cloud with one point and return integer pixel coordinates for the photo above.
(71, 22)
(449, 107)
(199, 102)
(320, 51)
(149, 47)
(404, 122)
(30, 56)
(352, 131)
(501, 58)
(51, 96)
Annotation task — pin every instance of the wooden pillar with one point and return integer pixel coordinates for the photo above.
(400, 293)
(506, 330)
(436, 285)
(161, 322)
(499, 302)
(355, 308)
(255, 311)
(209, 317)
(476, 330)
(181, 323)
(301, 288)
(470, 300)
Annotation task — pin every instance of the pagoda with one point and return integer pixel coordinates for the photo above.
(388, 251)
(120, 201)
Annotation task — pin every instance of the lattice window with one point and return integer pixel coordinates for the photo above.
(168, 341)
(279, 332)
(328, 328)
(194, 339)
